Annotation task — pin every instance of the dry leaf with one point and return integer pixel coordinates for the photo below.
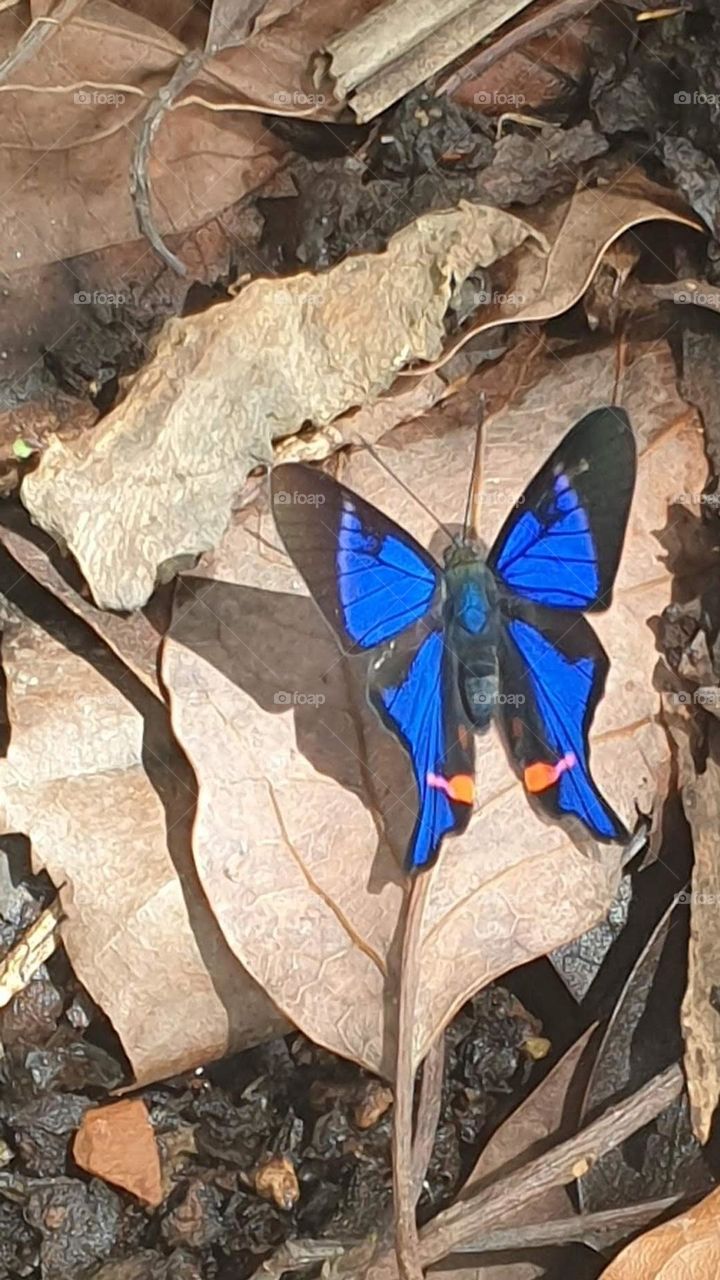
(117, 1143)
(111, 63)
(132, 637)
(686, 1247)
(137, 929)
(306, 803)
(700, 1019)
(149, 486)
(157, 478)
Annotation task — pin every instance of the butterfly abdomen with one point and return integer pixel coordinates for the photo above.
(472, 620)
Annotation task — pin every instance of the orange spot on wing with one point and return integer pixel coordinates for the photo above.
(541, 775)
(461, 787)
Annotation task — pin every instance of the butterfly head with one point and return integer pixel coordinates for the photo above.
(465, 549)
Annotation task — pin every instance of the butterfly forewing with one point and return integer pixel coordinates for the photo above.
(370, 578)
(560, 546)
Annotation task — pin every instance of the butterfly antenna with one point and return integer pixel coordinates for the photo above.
(394, 476)
(471, 523)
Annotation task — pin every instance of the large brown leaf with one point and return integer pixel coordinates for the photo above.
(77, 781)
(306, 804)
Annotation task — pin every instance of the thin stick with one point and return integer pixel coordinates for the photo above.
(406, 1238)
(466, 1221)
(549, 17)
(428, 1113)
(475, 1215)
(594, 1229)
(39, 31)
(29, 952)
(184, 73)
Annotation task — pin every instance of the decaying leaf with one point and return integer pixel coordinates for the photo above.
(77, 781)
(687, 1246)
(157, 478)
(306, 803)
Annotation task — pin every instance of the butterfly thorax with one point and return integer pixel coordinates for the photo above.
(472, 621)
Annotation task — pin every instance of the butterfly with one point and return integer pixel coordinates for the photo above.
(500, 636)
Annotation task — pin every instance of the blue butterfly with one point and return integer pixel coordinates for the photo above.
(501, 636)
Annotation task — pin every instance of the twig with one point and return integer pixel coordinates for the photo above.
(383, 66)
(29, 952)
(404, 1188)
(428, 1113)
(604, 1227)
(184, 73)
(482, 1211)
(548, 17)
(471, 1219)
(39, 31)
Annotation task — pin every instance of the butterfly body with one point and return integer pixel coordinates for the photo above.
(472, 619)
(490, 636)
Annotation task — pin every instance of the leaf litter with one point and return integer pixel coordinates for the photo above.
(219, 1135)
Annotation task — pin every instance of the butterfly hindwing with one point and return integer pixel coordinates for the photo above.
(418, 701)
(560, 546)
(369, 577)
(553, 675)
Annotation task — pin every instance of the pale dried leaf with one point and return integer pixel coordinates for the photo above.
(74, 782)
(157, 478)
(306, 803)
(686, 1248)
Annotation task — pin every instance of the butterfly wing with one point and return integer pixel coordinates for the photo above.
(552, 677)
(417, 698)
(560, 546)
(370, 579)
